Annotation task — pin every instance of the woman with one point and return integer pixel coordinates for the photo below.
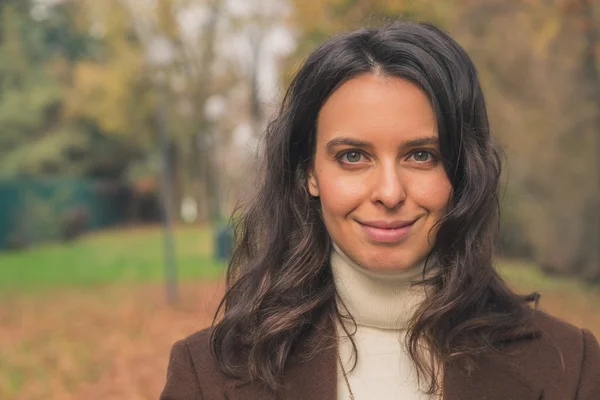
(363, 267)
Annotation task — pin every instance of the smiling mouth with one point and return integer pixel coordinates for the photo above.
(386, 231)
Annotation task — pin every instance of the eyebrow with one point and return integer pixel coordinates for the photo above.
(346, 142)
(422, 141)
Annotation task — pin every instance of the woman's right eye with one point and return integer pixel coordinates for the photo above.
(351, 157)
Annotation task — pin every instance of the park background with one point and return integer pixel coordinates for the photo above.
(129, 129)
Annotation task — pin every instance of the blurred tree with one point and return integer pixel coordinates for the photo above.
(196, 40)
(543, 92)
(29, 97)
(38, 48)
(79, 96)
(194, 59)
(140, 44)
(317, 19)
(111, 88)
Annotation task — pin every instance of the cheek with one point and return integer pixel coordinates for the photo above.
(432, 192)
(340, 194)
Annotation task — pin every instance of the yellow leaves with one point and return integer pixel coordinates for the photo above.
(112, 91)
(319, 19)
(12, 42)
(335, 14)
(107, 92)
(547, 32)
(316, 15)
(325, 17)
(165, 14)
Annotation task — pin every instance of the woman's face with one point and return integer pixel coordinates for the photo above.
(378, 172)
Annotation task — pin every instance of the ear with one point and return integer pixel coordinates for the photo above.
(313, 185)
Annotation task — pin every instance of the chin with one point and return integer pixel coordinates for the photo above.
(389, 267)
(379, 263)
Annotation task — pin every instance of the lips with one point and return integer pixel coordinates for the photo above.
(387, 225)
(386, 231)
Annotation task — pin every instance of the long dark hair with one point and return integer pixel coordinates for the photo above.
(279, 281)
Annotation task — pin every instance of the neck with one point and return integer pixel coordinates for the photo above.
(385, 300)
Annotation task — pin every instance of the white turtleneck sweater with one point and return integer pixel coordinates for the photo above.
(381, 305)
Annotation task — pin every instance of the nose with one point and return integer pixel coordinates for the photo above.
(389, 189)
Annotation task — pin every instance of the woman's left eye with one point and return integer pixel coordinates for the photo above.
(422, 156)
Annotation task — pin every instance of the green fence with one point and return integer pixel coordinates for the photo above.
(34, 210)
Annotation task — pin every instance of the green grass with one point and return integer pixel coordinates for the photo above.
(524, 275)
(116, 256)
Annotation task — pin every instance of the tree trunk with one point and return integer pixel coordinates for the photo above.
(591, 244)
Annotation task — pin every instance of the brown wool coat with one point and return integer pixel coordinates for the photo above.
(561, 362)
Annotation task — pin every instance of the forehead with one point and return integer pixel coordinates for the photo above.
(377, 108)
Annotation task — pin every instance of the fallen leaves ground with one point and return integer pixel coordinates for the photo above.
(96, 343)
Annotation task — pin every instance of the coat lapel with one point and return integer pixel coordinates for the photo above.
(314, 376)
(491, 379)
(311, 373)
(314, 379)
(495, 375)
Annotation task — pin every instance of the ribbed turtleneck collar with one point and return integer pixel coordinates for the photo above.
(376, 299)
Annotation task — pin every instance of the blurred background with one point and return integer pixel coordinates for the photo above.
(130, 128)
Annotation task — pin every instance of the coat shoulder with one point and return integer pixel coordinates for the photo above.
(563, 358)
(199, 340)
(559, 344)
(203, 361)
(556, 329)
(192, 373)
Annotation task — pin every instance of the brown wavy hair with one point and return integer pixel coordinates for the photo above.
(279, 281)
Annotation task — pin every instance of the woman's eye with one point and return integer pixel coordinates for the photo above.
(422, 156)
(351, 157)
